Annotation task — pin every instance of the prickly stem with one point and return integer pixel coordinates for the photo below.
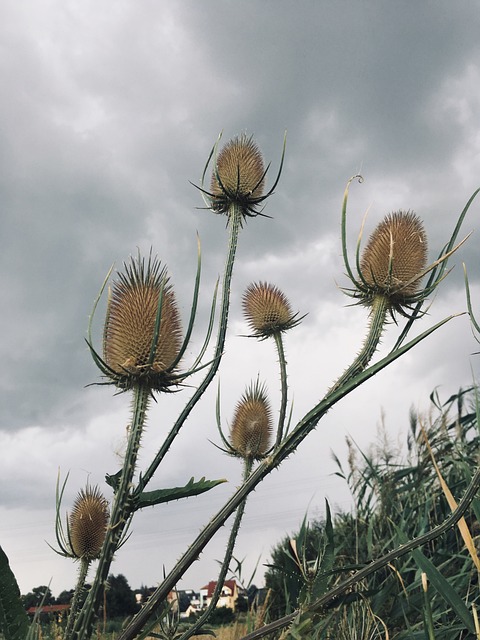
(120, 515)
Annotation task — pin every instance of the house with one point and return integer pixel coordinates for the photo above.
(50, 611)
(228, 596)
(189, 602)
(186, 601)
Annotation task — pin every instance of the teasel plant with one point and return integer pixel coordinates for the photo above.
(407, 298)
(143, 345)
(82, 537)
(248, 440)
(390, 271)
(144, 351)
(269, 314)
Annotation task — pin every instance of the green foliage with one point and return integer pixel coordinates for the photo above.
(222, 615)
(192, 488)
(302, 566)
(65, 597)
(14, 621)
(121, 601)
(396, 500)
(41, 595)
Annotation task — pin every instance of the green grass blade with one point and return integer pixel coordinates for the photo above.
(443, 587)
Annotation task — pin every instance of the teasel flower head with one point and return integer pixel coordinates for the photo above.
(87, 524)
(393, 263)
(238, 178)
(142, 336)
(267, 310)
(251, 428)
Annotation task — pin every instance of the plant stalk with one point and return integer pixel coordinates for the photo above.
(82, 576)
(288, 446)
(120, 514)
(226, 562)
(284, 387)
(378, 316)
(235, 225)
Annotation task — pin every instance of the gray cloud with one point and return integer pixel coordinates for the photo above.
(107, 112)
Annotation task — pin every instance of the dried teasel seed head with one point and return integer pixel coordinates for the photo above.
(252, 424)
(267, 310)
(238, 177)
(395, 257)
(88, 524)
(136, 347)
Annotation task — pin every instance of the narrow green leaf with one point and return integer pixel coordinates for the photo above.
(442, 585)
(14, 622)
(192, 488)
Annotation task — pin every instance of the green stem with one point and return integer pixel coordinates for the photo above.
(378, 316)
(120, 514)
(288, 446)
(235, 225)
(225, 565)
(284, 387)
(82, 576)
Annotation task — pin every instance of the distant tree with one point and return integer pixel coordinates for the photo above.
(65, 597)
(241, 605)
(121, 601)
(221, 615)
(38, 596)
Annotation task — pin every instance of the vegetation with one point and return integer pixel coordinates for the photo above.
(397, 499)
(144, 354)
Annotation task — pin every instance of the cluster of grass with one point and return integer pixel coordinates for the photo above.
(430, 593)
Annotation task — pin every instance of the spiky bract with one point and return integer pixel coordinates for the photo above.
(88, 524)
(251, 429)
(394, 261)
(142, 336)
(267, 310)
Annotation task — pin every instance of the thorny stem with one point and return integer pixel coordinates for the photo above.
(378, 315)
(288, 446)
(122, 508)
(284, 387)
(235, 224)
(226, 562)
(120, 514)
(402, 550)
(82, 576)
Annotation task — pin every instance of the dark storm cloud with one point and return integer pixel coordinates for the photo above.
(108, 111)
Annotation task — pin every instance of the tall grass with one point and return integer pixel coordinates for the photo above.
(400, 495)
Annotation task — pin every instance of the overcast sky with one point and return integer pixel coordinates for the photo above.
(107, 111)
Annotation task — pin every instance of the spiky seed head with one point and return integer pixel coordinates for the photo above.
(239, 175)
(88, 524)
(252, 424)
(267, 310)
(396, 256)
(131, 350)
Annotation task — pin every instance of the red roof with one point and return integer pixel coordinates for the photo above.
(210, 587)
(49, 608)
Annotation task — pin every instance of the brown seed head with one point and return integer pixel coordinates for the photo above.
(88, 524)
(395, 255)
(238, 176)
(129, 335)
(252, 424)
(267, 310)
